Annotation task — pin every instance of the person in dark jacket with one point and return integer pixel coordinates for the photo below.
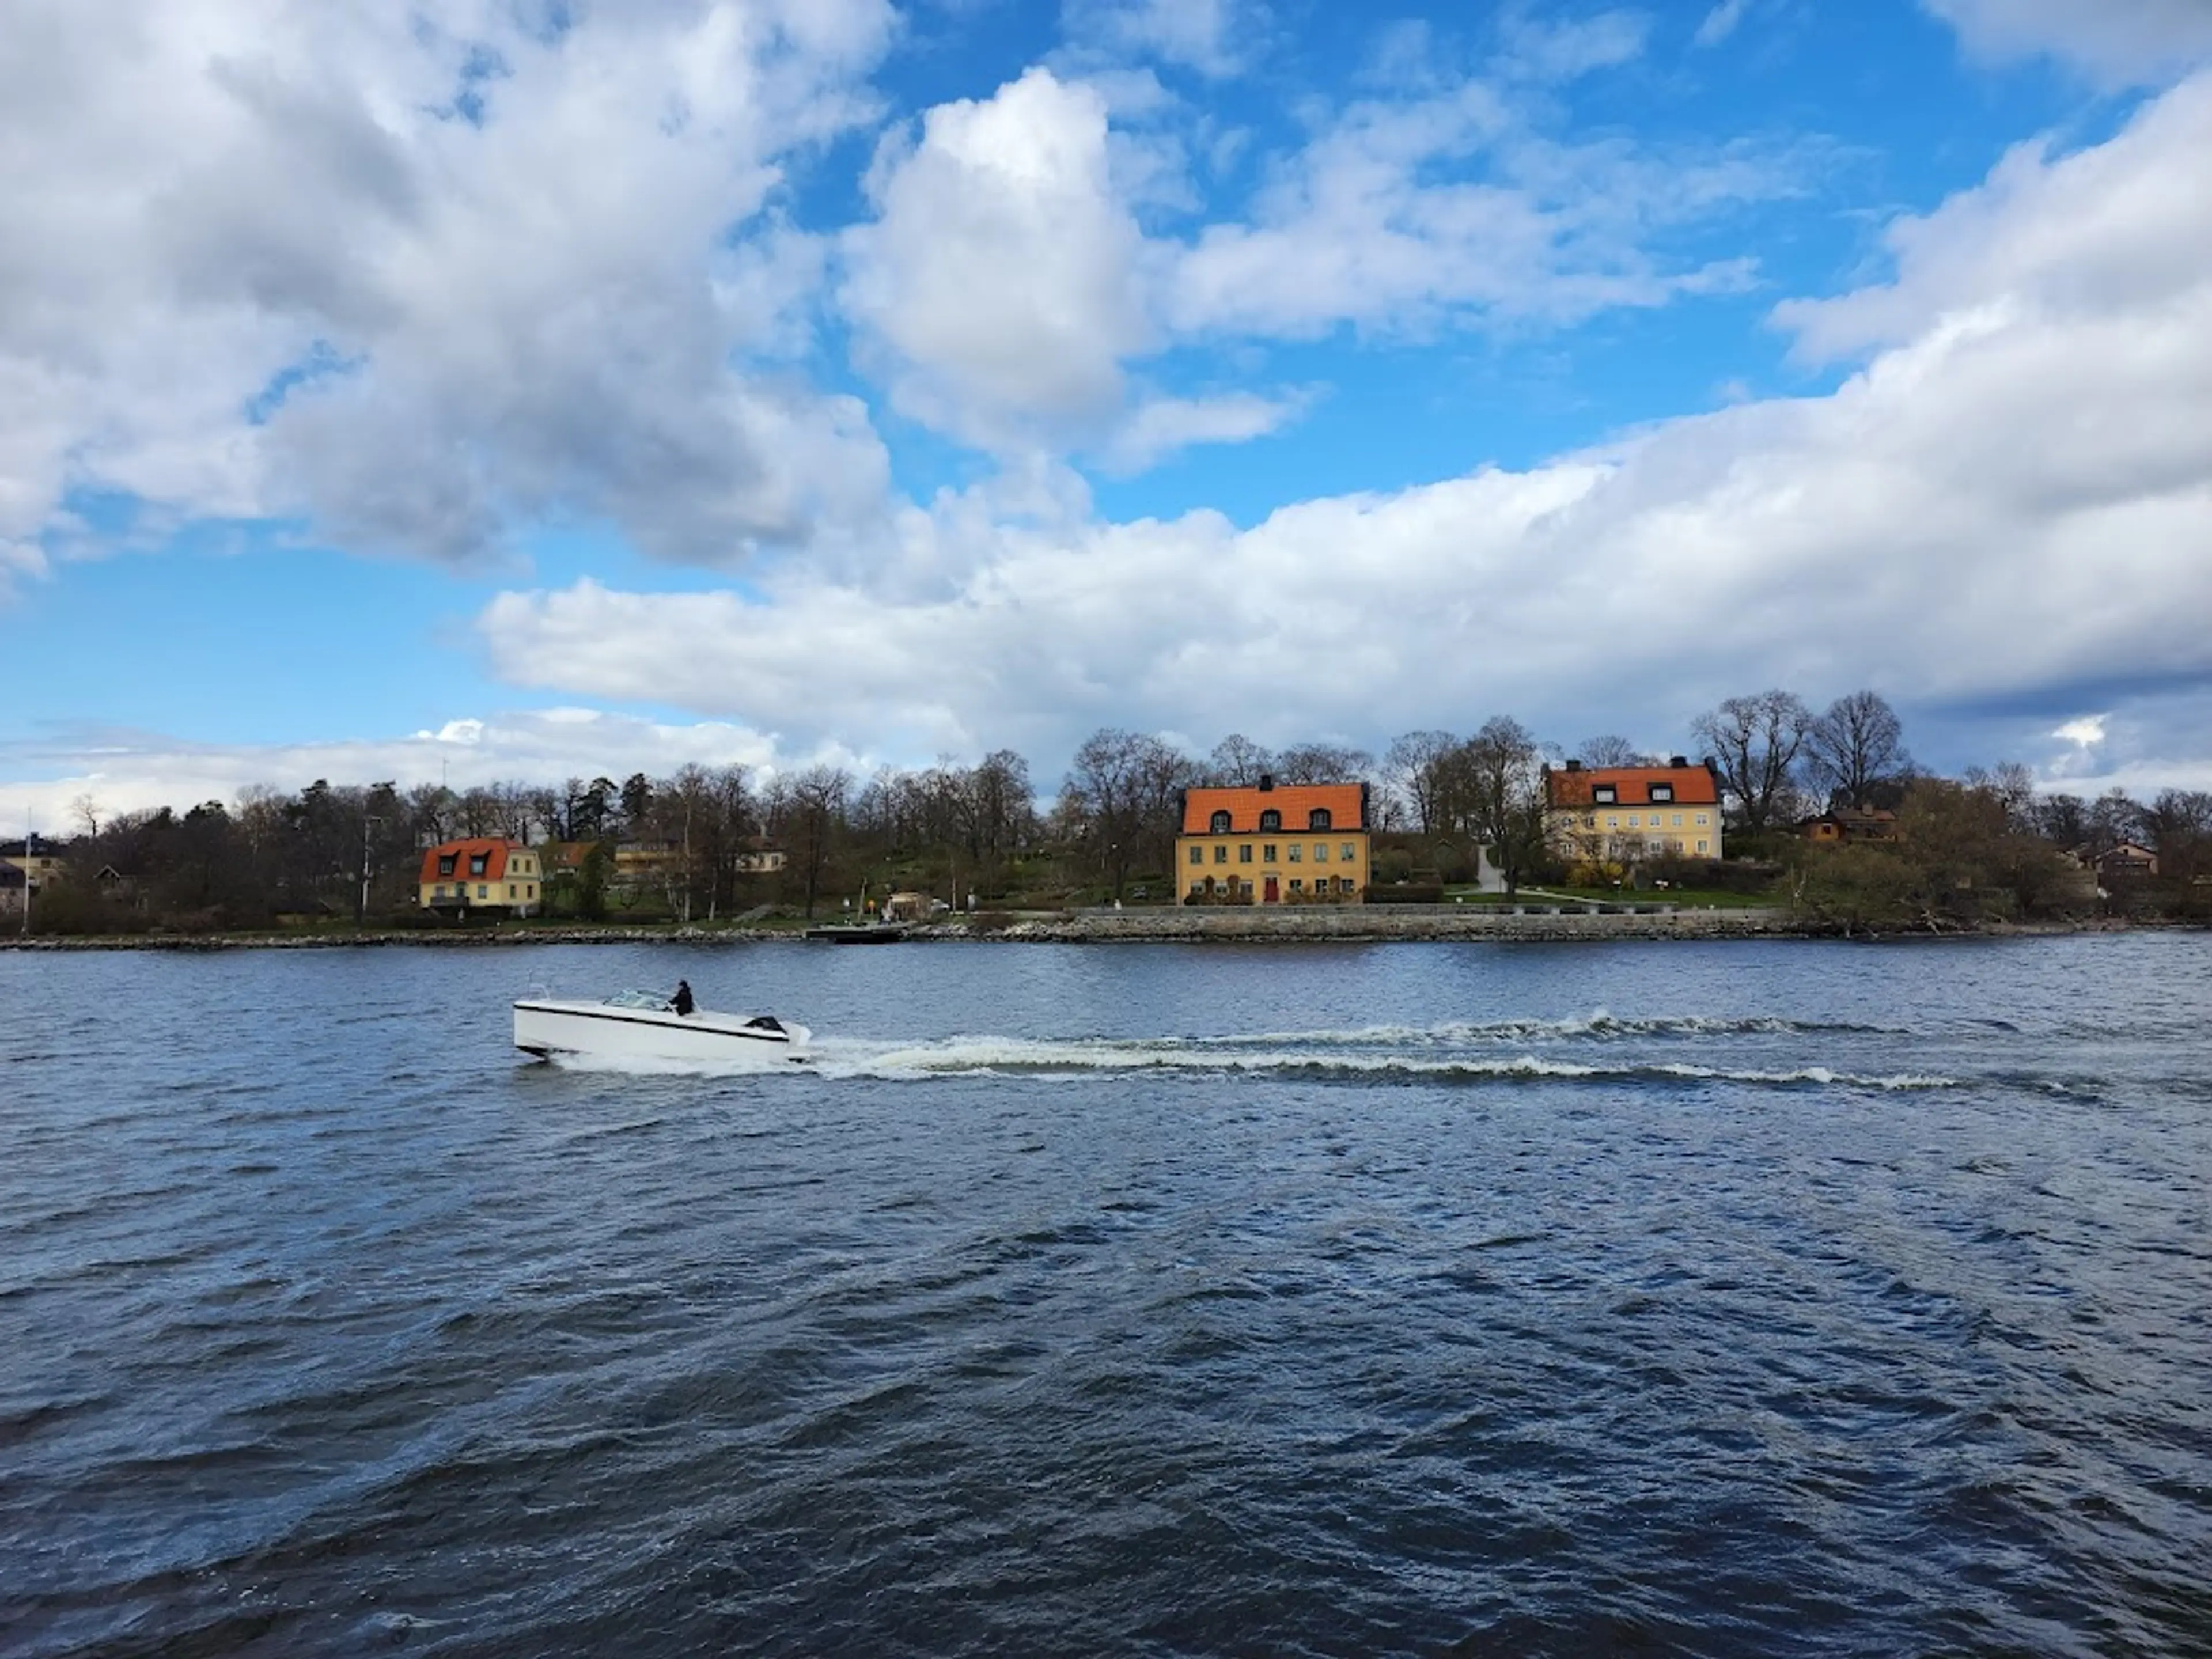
(681, 1002)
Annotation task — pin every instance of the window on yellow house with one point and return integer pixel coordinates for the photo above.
(1298, 851)
(1320, 852)
(1221, 854)
(1347, 851)
(1197, 855)
(1245, 853)
(1268, 854)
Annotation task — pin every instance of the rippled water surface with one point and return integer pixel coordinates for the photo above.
(1653, 1298)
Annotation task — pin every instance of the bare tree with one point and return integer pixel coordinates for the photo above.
(1415, 769)
(1498, 785)
(1857, 744)
(1237, 762)
(1756, 741)
(1122, 792)
(1322, 763)
(1612, 750)
(814, 804)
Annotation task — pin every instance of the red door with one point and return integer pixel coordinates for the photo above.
(1274, 891)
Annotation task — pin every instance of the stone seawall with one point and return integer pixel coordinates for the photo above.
(1383, 922)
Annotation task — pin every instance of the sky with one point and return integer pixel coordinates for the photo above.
(520, 389)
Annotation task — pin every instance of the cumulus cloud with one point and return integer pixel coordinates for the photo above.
(410, 277)
(2009, 497)
(1001, 271)
(2116, 42)
(1024, 252)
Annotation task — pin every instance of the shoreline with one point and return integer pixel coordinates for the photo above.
(1362, 925)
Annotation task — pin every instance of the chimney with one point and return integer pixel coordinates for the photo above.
(1680, 763)
(1266, 782)
(1574, 766)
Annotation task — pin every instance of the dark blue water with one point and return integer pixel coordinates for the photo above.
(1660, 1299)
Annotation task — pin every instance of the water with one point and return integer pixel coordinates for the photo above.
(1658, 1298)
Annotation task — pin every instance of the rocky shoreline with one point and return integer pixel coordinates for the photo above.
(1366, 924)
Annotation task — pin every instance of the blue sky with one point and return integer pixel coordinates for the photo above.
(503, 390)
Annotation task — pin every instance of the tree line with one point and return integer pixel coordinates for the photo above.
(980, 834)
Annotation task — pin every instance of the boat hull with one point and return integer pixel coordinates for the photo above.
(546, 1028)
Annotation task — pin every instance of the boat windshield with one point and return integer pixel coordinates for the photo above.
(638, 1000)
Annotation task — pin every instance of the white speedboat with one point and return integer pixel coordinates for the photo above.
(640, 1025)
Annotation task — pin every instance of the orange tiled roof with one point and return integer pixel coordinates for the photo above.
(1693, 785)
(461, 852)
(1295, 801)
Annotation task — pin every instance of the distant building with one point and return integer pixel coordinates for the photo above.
(1297, 844)
(2125, 862)
(482, 873)
(38, 859)
(1850, 824)
(12, 883)
(1629, 814)
(761, 857)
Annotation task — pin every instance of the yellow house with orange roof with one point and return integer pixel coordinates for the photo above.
(482, 873)
(1300, 844)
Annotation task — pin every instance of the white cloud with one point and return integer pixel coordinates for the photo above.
(2085, 732)
(1006, 285)
(2011, 498)
(2116, 42)
(1720, 22)
(1566, 48)
(465, 269)
(1412, 213)
(1214, 37)
(1164, 425)
(1001, 271)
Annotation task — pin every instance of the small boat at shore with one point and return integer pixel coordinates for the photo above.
(641, 1025)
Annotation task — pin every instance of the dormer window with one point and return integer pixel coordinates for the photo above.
(444, 864)
(477, 862)
(1319, 819)
(1218, 824)
(1663, 791)
(1604, 794)
(1271, 819)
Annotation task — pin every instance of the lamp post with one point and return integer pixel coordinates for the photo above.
(360, 911)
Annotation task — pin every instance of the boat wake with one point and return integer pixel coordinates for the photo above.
(1595, 1049)
(1366, 1055)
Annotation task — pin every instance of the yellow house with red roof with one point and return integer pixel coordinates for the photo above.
(482, 873)
(1627, 814)
(1298, 844)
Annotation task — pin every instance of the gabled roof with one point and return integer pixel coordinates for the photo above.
(1693, 785)
(1343, 802)
(494, 848)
